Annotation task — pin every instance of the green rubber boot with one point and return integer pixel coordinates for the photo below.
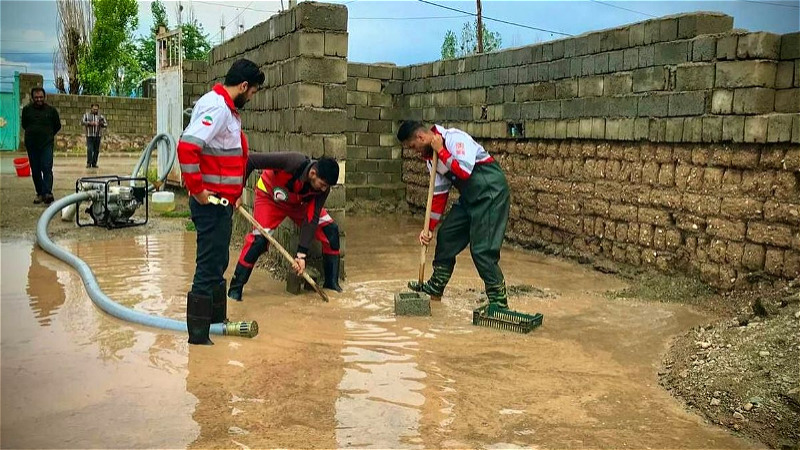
(436, 284)
(497, 295)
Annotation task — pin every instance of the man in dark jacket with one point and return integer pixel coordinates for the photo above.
(41, 123)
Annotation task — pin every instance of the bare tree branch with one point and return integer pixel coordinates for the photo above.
(75, 23)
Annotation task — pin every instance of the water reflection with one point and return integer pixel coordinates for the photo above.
(44, 289)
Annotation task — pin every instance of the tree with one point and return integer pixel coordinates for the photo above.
(75, 23)
(195, 41)
(129, 74)
(467, 44)
(114, 23)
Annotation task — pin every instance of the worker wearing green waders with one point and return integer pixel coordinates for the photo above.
(477, 219)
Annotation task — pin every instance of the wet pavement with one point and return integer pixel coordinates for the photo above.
(346, 374)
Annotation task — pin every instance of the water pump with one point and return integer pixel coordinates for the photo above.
(113, 203)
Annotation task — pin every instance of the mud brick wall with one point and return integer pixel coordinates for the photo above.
(131, 121)
(374, 161)
(671, 142)
(302, 107)
(195, 84)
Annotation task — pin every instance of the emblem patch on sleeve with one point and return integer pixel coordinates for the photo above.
(460, 148)
(207, 121)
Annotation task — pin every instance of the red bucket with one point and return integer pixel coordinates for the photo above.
(23, 167)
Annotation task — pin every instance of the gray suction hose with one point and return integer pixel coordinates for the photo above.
(166, 158)
(247, 329)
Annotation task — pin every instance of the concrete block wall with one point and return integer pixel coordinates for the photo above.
(131, 121)
(302, 107)
(374, 160)
(195, 84)
(671, 142)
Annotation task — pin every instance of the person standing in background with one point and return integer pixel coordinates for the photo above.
(41, 123)
(94, 122)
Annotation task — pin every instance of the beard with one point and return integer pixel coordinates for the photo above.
(240, 101)
(427, 152)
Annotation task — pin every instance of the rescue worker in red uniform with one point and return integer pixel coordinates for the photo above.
(296, 187)
(213, 155)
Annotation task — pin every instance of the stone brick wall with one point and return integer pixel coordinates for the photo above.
(303, 53)
(131, 121)
(672, 142)
(195, 84)
(374, 160)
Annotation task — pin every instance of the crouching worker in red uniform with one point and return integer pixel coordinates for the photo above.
(293, 186)
(212, 153)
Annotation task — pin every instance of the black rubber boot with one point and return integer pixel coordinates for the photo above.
(240, 277)
(436, 284)
(219, 313)
(331, 266)
(198, 318)
(497, 295)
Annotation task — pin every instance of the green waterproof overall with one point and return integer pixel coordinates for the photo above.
(477, 219)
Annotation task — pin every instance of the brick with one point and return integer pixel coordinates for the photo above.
(671, 53)
(691, 77)
(726, 229)
(790, 46)
(687, 103)
(697, 24)
(368, 85)
(733, 129)
(741, 208)
(746, 74)
(722, 101)
(649, 79)
(617, 84)
(787, 100)
(753, 100)
(771, 234)
(788, 213)
(755, 129)
(759, 45)
(753, 256)
(704, 48)
(779, 128)
(590, 86)
(784, 77)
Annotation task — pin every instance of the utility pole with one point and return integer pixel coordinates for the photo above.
(480, 28)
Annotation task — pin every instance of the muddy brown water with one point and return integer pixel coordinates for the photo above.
(344, 374)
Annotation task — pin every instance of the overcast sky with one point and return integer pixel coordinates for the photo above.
(403, 32)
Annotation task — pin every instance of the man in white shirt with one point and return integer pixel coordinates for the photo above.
(477, 219)
(94, 122)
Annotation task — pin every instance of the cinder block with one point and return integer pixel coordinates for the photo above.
(779, 128)
(674, 129)
(671, 53)
(320, 16)
(755, 129)
(590, 86)
(668, 29)
(691, 77)
(304, 43)
(733, 129)
(712, 129)
(616, 61)
(726, 47)
(368, 85)
(746, 74)
(630, 58)
(722, 102)
(697, 24)
(790, 45)
(653, 105)
(641, 128)
(357, 70)
(617, 84)
(787, 100)
(796, 128)
(647, 55)
(759, 45)
(692, 129)
(566, 89)
(704, 48)
(322, 70)
(650, 79)
(304, 94)
(335, 96)
(753, 100)
(784, 78)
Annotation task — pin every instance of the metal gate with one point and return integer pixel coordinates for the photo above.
(9, 117)
(169, 90)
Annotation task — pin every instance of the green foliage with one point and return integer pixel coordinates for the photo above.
(114, 23)
(195, 41)
(467, 43)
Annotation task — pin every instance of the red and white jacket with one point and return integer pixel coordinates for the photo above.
(459, 156)
(212, 150)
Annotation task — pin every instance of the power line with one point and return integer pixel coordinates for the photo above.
(785, 5)
(234, 6)
(496, 20)
(411, 18)
(234, 19)
(623, 8)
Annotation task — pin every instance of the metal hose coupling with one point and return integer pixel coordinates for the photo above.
(243, 329)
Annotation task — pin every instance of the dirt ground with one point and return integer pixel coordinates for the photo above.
(624, 359)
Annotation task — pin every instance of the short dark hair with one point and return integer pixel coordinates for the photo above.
(407, 129)
(244, 70)
(38, 89)
(94, 104)
(328, 170)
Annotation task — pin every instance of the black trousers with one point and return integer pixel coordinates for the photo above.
(92, 149)
(214, 226)
(41, 160)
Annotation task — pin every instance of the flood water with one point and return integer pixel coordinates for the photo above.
(346, 374)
